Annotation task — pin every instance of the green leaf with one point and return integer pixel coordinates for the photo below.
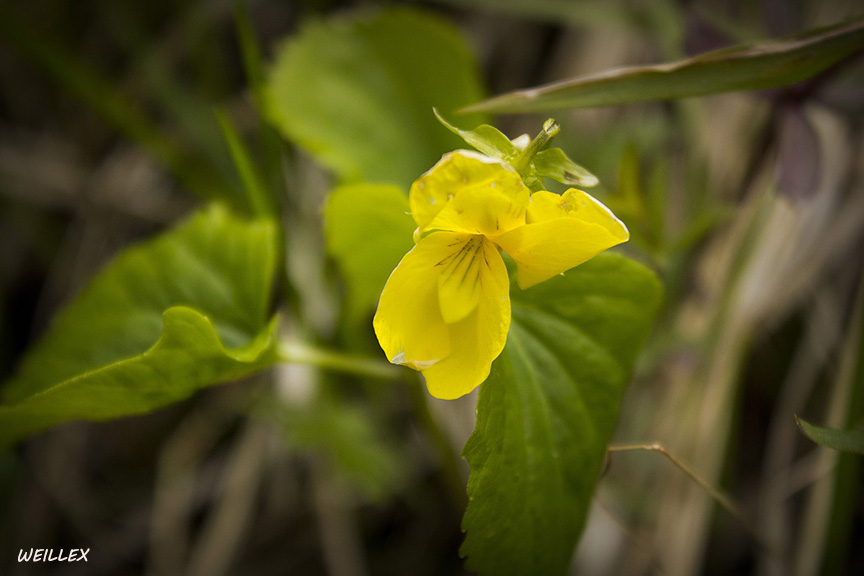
(554, 163)
(547, 412)
(185, 310)
(357, 92)
(843, 440)
(744, 67)
(189, 355)
(368, 229)
(485, 138)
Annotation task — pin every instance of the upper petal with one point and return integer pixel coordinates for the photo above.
(408, 322)
(478, 338)
(469, 192)
(562, 232)
(573, 203)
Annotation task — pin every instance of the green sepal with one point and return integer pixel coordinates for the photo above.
(550, 163)
(485, 138)
(554, 163)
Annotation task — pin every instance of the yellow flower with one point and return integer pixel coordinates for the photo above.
(445, 310)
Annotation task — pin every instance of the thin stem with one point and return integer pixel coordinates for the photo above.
(299, 353)
(255, 189)
(523, 160)
(718, 495)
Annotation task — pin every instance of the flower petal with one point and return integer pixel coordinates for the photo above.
(469, 192)
(562, 232)
(459, 282)
(478, 338)
(408, 323)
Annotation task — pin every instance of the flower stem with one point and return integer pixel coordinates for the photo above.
(299, 353)
(718, 495)
(523, 160)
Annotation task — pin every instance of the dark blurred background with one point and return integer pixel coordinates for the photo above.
(756, 232)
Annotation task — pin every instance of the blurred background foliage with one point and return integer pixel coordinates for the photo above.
(748, 205)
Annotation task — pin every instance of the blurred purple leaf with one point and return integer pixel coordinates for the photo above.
(798, 157)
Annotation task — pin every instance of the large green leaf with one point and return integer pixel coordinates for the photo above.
(744, 67)
(368, 229)
(188, 356)
(357, 92)
(182, 311)
(547, 412)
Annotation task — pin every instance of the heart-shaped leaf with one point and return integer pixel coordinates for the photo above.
(357, 92)
(185, 310)
(547, 412)
(368, 229)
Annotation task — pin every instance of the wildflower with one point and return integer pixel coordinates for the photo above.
(445, 309)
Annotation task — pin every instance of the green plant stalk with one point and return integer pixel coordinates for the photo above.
(270, 146)
(685, 533)
(830, 508)
(713, 434)
(299, 353)
(256, 192)
(550, 129)
(847, 484)
(253, 63)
